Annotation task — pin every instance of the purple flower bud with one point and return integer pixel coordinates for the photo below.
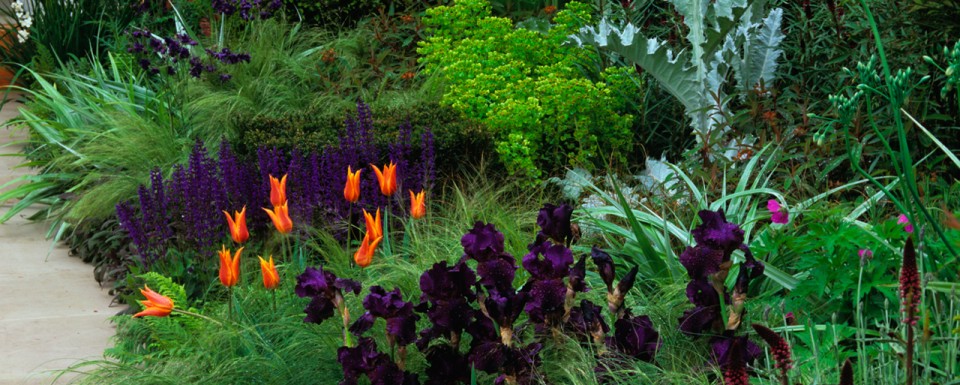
(604, 266)
(577, 275)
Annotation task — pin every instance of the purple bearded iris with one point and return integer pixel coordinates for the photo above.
(554, 222)
(401, 320)
(364, 359)
(635, 337)
(446, 296)
(326, 291)
(548, 292)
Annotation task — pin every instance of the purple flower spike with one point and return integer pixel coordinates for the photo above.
(778, 213)
(636, 337)
(701, 261)
(554, 222)
(554, 265)
(604, 266)
(483, 242)
(715, 232)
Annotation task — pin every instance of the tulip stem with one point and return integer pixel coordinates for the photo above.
(274, 294)
(349, 221)
(230, 302)
(386, 230)
(201, 316)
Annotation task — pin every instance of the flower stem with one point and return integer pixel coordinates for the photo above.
(201, 316)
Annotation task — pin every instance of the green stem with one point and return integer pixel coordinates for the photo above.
(386, 230)
(223, 20)
(201, 316)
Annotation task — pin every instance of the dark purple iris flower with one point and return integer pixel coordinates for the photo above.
(718, 234)
(498, 273)
(364, 359)
(727, 348)
(587, 320)
(547, 299)
(636, 337)
(555, 263)
(554, 222)
(446, 296)
(706, 313)
(701, 261)
(401, 320)
(326, 291)
(504, 307)
(483, 242)
(447, 366)
(604, 266)
(516, 362)
(578, 274)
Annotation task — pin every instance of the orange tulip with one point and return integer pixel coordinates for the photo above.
(374, 225)
(281, 218)
(156, 305)
(238, 225)
(278, 190)
(351, 192)
(364, 254)
(387, 178)
(229, 267)
(418, 206)
(270, 276)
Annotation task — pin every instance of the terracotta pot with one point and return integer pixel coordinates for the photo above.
(6, 41)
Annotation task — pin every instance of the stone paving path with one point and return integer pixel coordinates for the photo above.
(52, 311)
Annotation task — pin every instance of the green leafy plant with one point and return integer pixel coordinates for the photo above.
(522, 84)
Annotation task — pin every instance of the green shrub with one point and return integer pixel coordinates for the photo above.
(524, 85)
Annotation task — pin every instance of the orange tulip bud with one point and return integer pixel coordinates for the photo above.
(270, 276)
(351, 192)
(278, 190)
(155, 305)
(374, 225)
(229, 267)
(238, 225)
(364, 254)
(418, 206)
(281, 218)
(387, 178)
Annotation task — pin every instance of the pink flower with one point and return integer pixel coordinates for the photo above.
(903, 220)
(778, 214)
(865, 255)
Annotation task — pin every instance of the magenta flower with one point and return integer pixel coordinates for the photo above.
(903, 220)
(865, 255)
(778, 213)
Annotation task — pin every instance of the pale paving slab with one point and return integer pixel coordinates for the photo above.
(53, 314)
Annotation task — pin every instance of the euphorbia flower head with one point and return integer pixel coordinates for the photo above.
(554, 222)
(387, 178)
(269, 271)
(903, 220)
(909, 283)
(368, 247)
(278, 191)
(325, 289)
(604, 266)
(351, 191)
(778, 213)
(374, 224)
(636, 337)
(229, 267)
(238, 225)
(155, 305)
(715, 232)
(418, 206)
(280, 216)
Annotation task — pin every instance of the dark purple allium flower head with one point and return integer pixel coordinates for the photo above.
(587, 320)
(483, 242)
(554, 222)
(701, 261)
(715, 232)
(778, 347)
(555, 263)
(909, 283)
(636, 337)
(547, 299)
(326, 291)
(604, 266)
(447, 366)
